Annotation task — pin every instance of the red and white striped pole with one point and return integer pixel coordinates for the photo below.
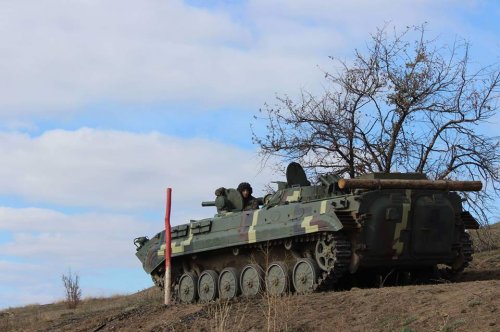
(168, 272)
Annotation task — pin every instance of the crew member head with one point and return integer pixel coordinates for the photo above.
(245, 189)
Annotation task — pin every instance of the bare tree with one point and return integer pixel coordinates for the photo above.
(73, 290)
(404, 104)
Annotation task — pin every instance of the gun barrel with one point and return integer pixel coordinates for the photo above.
(208, 203)
(410, 184)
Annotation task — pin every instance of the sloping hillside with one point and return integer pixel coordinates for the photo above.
(473, 303)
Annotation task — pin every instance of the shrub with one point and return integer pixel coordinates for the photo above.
(73, 291)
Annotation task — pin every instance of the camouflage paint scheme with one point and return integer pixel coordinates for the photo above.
(386, 227)
(236, 229)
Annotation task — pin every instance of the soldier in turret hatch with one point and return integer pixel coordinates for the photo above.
(245, 189)
(249, 202)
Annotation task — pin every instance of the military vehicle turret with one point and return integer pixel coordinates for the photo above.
(305, 237)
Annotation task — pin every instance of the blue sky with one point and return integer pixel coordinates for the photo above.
(103, 104)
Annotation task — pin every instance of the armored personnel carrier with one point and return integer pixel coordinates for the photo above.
(306, 237)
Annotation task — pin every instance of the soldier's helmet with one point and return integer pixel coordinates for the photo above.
(245, 185)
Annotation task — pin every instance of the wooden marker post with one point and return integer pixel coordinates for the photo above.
(168, 272)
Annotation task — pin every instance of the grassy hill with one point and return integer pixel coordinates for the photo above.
(473, 303)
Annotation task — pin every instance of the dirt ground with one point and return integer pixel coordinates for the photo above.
(471, 304)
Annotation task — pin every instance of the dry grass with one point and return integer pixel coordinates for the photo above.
(29, 317)
(446, 307)
(32, 317)
(279, 312)
(219, 313)
(270, 313)
(486, 238)
(224, 315)
(276, 312)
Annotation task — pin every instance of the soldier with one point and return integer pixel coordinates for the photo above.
(249, 202)
(245, 189)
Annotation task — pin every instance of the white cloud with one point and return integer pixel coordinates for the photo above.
(87, 240)
(44, 244)
(100, 171)
(119, 170)
(28, 283)
(103, 172)
(58, 56)
(40, 282)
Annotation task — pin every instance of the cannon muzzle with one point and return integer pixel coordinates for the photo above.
(208, 203)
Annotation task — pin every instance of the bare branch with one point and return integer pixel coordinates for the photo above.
(405, 103)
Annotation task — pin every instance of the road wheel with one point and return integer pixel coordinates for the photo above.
(229, 286)
(188, 287)
(251, 280)
(207, 286)
(305, 275)
(277, 279)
